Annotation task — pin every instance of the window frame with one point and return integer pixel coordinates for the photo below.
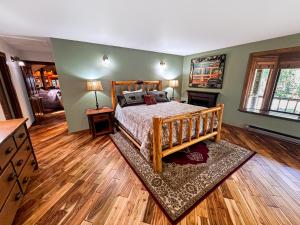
(278, 58)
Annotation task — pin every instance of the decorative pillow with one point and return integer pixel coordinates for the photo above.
(160, 96)
(126, 92)
(133, 98)
(149, 99)
(121, 100)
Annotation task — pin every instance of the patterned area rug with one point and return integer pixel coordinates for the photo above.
(187, 175)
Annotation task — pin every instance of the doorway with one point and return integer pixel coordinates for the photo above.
(8, 96)
(43, 88)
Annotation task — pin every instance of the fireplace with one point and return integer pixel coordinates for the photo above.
(201, 98)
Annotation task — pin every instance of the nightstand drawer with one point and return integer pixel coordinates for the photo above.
(7, 181)
(10, 208)
(21, 157)
(27, 172)
(7, 150)
(100, 117)
(20, 135)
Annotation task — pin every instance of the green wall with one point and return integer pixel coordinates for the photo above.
(78, 61)
(235, 70)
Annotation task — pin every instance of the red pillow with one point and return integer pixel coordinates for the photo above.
(149, 99)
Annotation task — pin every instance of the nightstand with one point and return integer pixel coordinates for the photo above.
(100, 121)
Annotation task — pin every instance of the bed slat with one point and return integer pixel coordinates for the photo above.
(190, 129)
(205, 124)
(212, 116)
(180, 131)
(197, 126)
(171, 134)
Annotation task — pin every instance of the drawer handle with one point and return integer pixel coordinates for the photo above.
(21, 135)
(11, 177)
(9, 150)
(28, 148)
(20, 162)
(18, 196)
(25, 180)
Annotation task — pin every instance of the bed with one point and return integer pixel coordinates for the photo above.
(164, 128)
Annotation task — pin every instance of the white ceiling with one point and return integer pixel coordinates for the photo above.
(172, 26)
(32, 44)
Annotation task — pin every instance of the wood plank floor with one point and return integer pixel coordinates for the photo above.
(85, 181)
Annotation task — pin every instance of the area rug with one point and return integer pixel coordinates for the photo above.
(188, 176)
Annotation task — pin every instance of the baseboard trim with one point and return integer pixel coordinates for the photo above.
(275, 134)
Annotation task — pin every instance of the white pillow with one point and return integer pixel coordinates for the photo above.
(126, 92)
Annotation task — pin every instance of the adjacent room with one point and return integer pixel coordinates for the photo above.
(149, 113)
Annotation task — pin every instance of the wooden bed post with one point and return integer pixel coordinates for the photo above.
(113, 95)
(157, 145)
(220, 119)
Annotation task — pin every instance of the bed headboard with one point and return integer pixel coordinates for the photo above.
(132, 85)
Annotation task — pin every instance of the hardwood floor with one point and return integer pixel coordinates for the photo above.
(86, 181)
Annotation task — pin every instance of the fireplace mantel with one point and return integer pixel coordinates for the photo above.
(202, 98)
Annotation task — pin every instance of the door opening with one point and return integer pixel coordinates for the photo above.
(43, 88)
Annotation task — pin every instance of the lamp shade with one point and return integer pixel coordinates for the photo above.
(94, 85)
(173, 83)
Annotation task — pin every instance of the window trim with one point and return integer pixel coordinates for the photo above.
(278, 57)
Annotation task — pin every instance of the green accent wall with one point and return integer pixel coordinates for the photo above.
(77, 62)
(235, 71)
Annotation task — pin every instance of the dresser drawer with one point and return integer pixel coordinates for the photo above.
(21, 157)
(7, 180)
(20, 135)
(7, 150)
(10, 208)
(27, 172)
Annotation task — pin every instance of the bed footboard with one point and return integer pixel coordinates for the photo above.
(205, 122)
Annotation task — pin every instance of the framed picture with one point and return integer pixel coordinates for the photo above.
(207, 72)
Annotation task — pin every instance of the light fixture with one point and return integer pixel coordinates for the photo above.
(21, 63)
(105, 58)
(17, 59)
(14, 58)
(162, 63)
(94, 85)
(173, 84)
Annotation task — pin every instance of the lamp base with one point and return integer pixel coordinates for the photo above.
(97, 104)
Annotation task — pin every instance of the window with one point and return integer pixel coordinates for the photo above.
(258, 89)
(272, 85)
(287, 92)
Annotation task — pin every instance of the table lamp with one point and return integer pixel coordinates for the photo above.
(94, 85)
(173, 84)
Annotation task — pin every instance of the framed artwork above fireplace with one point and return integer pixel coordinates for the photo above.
(207, 72)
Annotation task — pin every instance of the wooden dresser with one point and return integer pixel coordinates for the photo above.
(17, 164)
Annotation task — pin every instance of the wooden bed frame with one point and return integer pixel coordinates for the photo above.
(207, 115)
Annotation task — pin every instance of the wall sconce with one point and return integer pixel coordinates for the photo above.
(162, 63)
(17, 59)
(105, 59)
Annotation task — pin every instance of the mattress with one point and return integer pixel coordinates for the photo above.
(138, 121)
